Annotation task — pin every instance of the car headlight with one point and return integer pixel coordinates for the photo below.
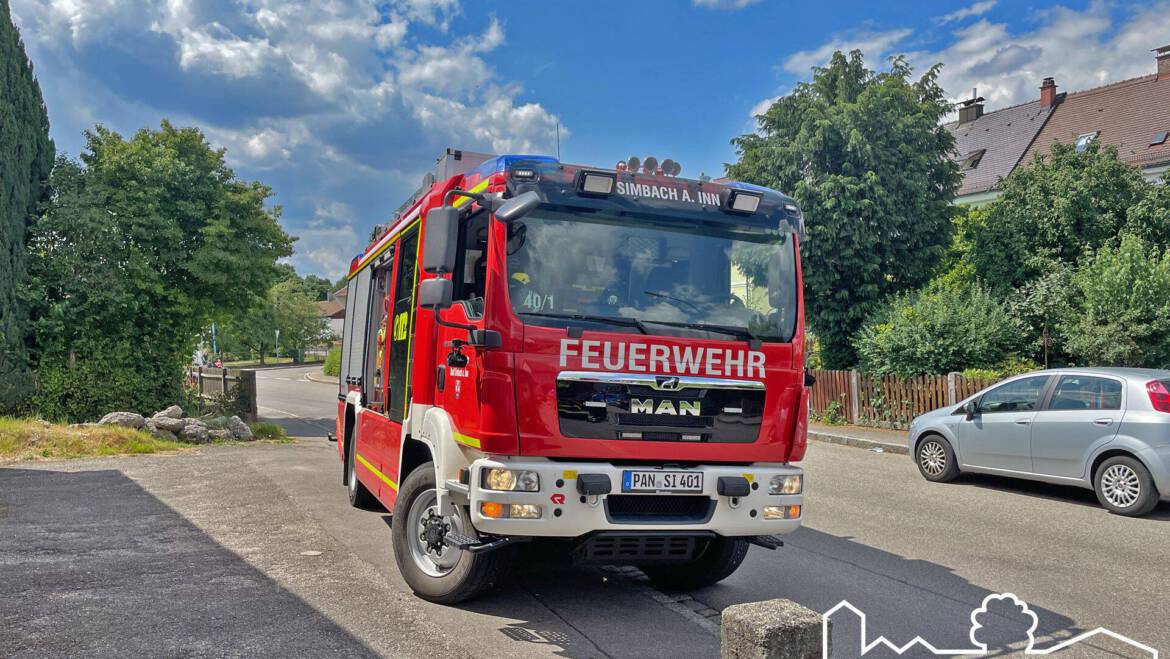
(790, 484)
(510, 480)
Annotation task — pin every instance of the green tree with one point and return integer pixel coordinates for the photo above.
(26, 156)
(867, 158)
(300, 321)
(1055, 209)
(142, 244)
(940, 329)
(1123, 315)
(251, 331)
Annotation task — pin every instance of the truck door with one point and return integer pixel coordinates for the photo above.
(402, 327)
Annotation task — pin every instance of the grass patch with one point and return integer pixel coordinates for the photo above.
(268, 430)
(33, 439)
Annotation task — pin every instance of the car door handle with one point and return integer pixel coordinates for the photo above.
(1102, 422)
(1023, 422)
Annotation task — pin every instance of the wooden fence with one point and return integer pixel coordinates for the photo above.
(885, 400)
(213, 383)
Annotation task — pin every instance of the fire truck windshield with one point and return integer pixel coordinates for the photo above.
(653, 278)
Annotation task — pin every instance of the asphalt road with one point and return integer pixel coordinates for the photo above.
(254, 551)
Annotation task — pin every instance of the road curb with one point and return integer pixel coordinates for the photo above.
(323, 379)
(858, 442)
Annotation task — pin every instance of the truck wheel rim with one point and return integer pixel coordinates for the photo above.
(1120, 485)
(932, 458)
(423, 513)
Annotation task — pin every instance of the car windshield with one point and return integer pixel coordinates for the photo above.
(659, 279)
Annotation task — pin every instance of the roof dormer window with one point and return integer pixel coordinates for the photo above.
(971, 160)
(1085, 139)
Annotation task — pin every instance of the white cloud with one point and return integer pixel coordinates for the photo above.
(762, 106)
(724, 4)
(977, 9)
(870, 42)
(331, 97)
(1081, 48)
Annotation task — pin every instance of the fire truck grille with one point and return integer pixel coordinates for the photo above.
(658, 508)
(616, 549)
(626, 419)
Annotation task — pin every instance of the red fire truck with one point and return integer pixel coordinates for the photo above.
(612, 358)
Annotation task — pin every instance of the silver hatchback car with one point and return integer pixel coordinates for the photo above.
(1106, 429)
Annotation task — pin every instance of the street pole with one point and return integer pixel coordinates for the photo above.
(278, 344)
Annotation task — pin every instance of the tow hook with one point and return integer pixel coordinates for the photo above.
(766, 541)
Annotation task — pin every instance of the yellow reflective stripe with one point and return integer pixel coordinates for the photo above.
(385, 479)
(375, 254)
(479, 187)
(467, 440)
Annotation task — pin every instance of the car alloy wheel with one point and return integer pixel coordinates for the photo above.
(1121, 485)
(932, 457)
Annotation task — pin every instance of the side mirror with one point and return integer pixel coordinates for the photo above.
(435, 293)
(971, 408)
(442, 238)
(518, 206)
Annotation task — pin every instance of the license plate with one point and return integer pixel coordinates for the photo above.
(662, 481)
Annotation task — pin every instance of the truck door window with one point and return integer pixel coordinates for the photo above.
(378, 336)
(401, 326)
(471, 262)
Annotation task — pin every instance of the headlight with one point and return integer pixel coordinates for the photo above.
(510, 480)
(791, 484)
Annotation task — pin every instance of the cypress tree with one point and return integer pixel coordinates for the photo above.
(26, 156)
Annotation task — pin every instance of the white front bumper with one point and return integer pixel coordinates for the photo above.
(580, 515)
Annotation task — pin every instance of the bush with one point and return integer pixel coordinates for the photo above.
(267, 430)
(1123, 314)
(939, 329)
(86, 384)
(332, 365)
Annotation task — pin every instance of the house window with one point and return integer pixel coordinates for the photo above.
(1085, 139)
(971, 161)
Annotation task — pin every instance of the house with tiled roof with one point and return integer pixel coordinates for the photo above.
(1133, 115)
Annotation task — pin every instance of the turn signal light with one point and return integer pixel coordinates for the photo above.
(781, 512)
(495, 510)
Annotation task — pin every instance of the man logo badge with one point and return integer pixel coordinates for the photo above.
(648, 406)
(666, 383)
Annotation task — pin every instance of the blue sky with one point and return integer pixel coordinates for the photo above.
(341, 105)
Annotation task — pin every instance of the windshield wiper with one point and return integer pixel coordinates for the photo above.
(722, 329)
(623, 322)
(672, 299)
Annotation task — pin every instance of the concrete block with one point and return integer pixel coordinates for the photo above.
(773, 629)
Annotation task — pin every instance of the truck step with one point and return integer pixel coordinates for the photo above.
(767, 541)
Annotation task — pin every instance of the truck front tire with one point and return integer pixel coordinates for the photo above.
(719, 559)
(441, 577)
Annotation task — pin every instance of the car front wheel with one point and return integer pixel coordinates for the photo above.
(935, 459)
(1124, 486)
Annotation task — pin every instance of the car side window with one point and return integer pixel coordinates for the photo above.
(1082, 392)
(1018, 396)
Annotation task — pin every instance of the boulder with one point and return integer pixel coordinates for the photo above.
(239, 429)
(126, 419)
(168, 423)
(195, 432)
(220, 433)
(172, 412)
(158, 432)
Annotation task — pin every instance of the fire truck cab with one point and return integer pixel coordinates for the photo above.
(612, 358)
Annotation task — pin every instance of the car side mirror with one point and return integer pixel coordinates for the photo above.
(442, 238)
(971, 408)
(435, 293)
(518, 206)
